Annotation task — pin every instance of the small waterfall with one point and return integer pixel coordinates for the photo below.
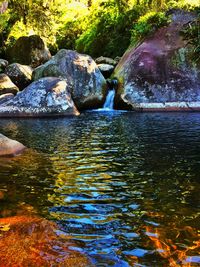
(109, 103)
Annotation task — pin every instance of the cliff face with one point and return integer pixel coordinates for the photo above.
(159, 74)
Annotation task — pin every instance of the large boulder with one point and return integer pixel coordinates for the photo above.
(29, 50)
(45, 97)
(20, 75)
(86, 83)
(7, 86)
(9, 147)
(159, 74)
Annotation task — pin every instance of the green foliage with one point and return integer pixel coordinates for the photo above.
(109, 32)
(4, 21)
(74, 22)
(192, 34)
(147, 24)
(95, 27)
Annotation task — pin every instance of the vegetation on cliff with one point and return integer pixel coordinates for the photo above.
(95, 27)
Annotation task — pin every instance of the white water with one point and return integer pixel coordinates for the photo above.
(109, 103)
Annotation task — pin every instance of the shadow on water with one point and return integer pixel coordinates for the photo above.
(125, 186)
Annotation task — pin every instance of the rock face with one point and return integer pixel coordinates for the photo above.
(86, 83)
(9, 147)
(158, 74)
(29, 50)
(5, 97)
(20, 75)
(7, 86)
(45, 97)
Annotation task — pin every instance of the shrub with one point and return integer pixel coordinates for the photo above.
(110, 32)
(146, 25)
(192, 34)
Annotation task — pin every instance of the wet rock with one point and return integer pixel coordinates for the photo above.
(9, 147)
(3, 64)
(158, 74)
(29, 50)
(106, 60)
(106, 69)
(7, 86)
(20, 75)
(32, 241)
(46, 97)
(86, 83)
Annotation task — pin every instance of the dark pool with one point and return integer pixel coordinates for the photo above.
(125, 186)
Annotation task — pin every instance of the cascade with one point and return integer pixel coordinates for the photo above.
(109, 103)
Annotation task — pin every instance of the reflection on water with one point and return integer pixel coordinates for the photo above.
(125, 186)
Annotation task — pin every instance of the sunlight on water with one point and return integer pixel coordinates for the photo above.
(124, 186)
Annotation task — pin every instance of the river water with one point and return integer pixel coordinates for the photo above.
(125, 186)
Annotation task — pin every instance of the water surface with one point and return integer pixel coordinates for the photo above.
(124, 185)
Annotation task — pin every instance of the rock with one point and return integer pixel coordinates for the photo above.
(117, 59)
(32, 241)
(3, 64)
(7, 86)
(29, 50)
(20, 75)
(9, 147)
(106, 60)
(86, 83)
(45, 97)
(158, 74)
(106, 69)
(5, 97)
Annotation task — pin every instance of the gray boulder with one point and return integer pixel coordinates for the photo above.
(86, 83)
(9, 147)
(106, 60)
(20, 75)
(106, 69)
(7, 86)
(45, 97)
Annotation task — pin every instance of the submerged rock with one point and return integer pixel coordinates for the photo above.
(45, 97)
(20, 75)
(32, 241)
(29, 50)
(158, 74)
(86, 83)
(9, 147)
(7, 86)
